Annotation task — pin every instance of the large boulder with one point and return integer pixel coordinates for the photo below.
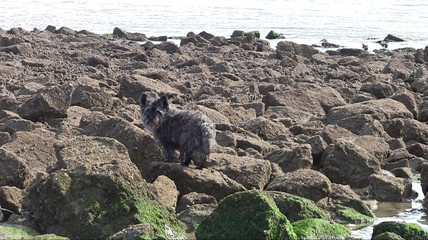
(94, 192)
(246, 215)
(51, 102)
(11, 198)
(188, 179)
(345, 162)
(381, 109)
(296, 208)
(292, 160)
(388, 188)
(91, 97)
(343, 195)
(403, 229)
(305, 183)
(13, 170)
(250, 172)
(35, 148)
(265, 128)
(140, 144)
(320, 229)
(290, 49)
(133, 86)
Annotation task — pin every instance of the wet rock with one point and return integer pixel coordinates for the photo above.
(188, 179)
(343, 195)
(235, 216)
(51, 102)
(340, 155)
(386, 188)
(305, 183)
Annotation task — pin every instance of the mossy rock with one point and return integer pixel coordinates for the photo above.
(350, 215)
(296, 208)
(246, 215)
(82, 204)
(388, 236)
(320, 229)
(256, 33)
(274, 35)
(18, 232)
(408, 231)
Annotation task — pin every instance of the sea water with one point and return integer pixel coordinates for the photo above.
(345, 22)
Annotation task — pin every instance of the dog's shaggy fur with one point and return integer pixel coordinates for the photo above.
(190, 132)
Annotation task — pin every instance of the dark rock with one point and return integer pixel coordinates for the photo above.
(378, 89)
(98, 60)
(195, 198)
(91, 97)
(290, 49)
(351, 52)
(24, 49)
(392, 38)
(130, 36)
(134, 231)
(274, 35)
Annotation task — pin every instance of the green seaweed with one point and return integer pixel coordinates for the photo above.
(350, 215)
(319, 229)
(246, 215)
(408, 231)
(15, 232)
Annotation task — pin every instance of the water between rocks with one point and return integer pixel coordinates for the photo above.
(409, 212)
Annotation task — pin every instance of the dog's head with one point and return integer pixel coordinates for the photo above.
(153, 111)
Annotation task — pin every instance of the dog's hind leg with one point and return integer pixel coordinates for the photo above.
(187, 157)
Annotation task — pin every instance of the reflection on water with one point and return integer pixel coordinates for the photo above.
(410, 212)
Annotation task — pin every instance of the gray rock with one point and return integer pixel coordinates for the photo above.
(386, 188)
(297, 158)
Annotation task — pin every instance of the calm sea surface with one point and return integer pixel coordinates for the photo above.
(345, 22)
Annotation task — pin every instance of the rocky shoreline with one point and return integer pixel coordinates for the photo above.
(294, 125)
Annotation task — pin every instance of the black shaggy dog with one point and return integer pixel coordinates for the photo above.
(190, 132)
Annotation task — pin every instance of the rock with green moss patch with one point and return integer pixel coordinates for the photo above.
(319, 229)
(98, 192)
(246, 215)
(388, 236)
(133, 232)
(20, 232)
(405, 230)
(350, 215)
(297, 208)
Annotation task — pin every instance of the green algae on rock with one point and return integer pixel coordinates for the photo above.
(319, 229)
(20, 232)
(86, 205)
(246, 215)
(408, 231)
(296, 208)
(350, 215)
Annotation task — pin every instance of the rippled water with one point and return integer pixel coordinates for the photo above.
(345, 22)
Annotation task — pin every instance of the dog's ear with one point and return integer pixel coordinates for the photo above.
(164, 102)
(143, 100)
